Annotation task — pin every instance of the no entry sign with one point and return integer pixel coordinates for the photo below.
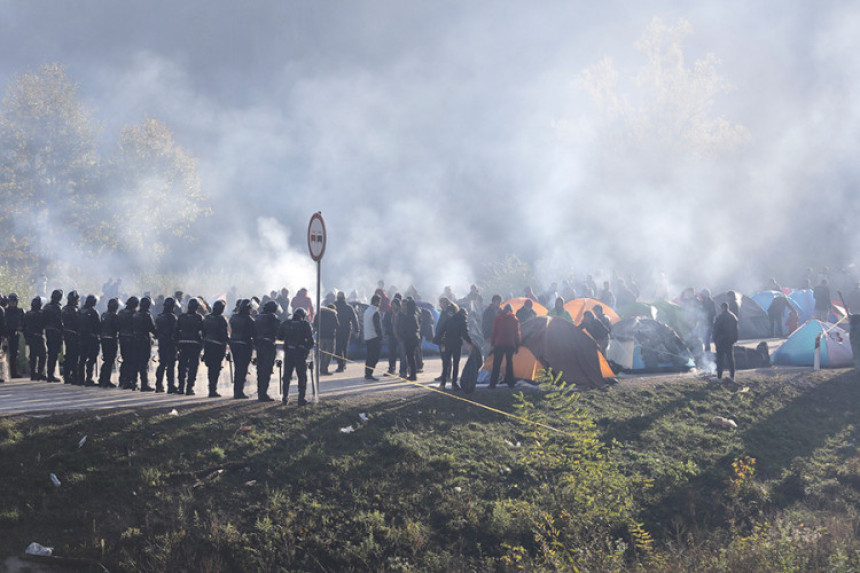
(316, 236)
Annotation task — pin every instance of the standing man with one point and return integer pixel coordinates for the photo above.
(298, 341)
(241, 346)
(347, 323)
(34, 334)
(409, 331)
(487, 318)
(71, 339)
(190, 334)
(214, 345)
(821, 294)
(709, 314)
(266, 329)
(372, 332)
(327, 334)
(725, 336)
(89, 327)
(558, 311)
(110, 345)
(388, 329)
(165, 333)
(143, 327)
(14, 326)
(505, 341)
(53, 332)
(125, 323)
(454, 332)
(527, 311)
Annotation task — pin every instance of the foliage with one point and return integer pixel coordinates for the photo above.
(508, 276)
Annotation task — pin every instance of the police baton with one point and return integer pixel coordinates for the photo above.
(230, 366)
(280, 364)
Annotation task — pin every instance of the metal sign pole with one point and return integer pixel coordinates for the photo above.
(317, 345)
(316, 247)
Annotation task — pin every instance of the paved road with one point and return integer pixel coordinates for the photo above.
(21, 395)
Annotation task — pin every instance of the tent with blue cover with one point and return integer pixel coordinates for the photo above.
(752, 322)
(766, 297)
(799, 348)
(642, 344)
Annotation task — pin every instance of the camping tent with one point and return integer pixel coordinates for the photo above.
(799, 348)
(753, 321)
(517, 303)
(674, 316)
(806, 306)
(578, 306)
(526, 365)
(638, 309)
(644, 345)
(766, 297)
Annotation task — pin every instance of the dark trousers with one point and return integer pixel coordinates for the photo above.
(506, 352)
(326, 350)
(341, 346)
(451, 362)
(295, 359)
(89, 353)
(374, 348)
(37, 357)
(393, 352)
(166, 365)
(70, 358)
(410, 348)
(109, 350)
(128, 368)
(725, 359)
(189, 360)
(142, 355)
(265, 365)
(14, 343)
(54, 339)
(241, 362)
(213, 356)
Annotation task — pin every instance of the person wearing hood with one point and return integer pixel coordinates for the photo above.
(725, 336)
(166, 333)
(189, 328)
(34, 334)
(53, 332)
(409, 332)
(71, 340)
(89, 328)
(455, 331)
(347, 323)
(143, 328)
(558, 311)
(14, 325)
(109, 341)
(214, 345)
(125, 324)
(241, 346)
(266, 329)
(505, 341)
(527, 311)
(298, 340)
(302, 300)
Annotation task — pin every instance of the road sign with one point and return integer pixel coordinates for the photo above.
(316, 236)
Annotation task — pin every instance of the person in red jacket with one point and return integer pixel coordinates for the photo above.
(505, 340)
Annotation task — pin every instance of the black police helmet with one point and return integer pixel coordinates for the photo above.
(91, 301)
(193, 305)
(36, 303)
(57, 295)
(169, 303)
(132, 302)
(300, 314)
(113, 304)
(271, 306)
(218, 307)
(145, 303)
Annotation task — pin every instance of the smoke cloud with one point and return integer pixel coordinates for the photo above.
(435, 138)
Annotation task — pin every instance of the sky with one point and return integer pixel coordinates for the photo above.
(436, 137)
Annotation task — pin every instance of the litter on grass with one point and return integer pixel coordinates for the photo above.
(347, 430)
(82, 442)
(363, 417)
(55, 480)
(38, 549)
(174, 412)
(723, 422)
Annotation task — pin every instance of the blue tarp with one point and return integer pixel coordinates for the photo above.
(799, 348)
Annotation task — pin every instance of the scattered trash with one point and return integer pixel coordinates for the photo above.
(744, 389)
(723, 422)
(246, 428)
(513, 445)
(347, 430)
(55, 480)
(363, 417)
(82, 442)
(247, 469)
(250, 483)
(37, 549)
(134, 493)
(174, 412)
(458, 489)
(98, 418)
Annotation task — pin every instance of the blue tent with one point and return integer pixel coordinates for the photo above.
(766, 297)
(799, 348)
(805, 303)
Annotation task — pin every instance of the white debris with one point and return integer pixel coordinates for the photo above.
(174, 412)
(347, 430)
(458, 489)
(82, 442)
(723, 422)
(37, 549)
(55, 480)
(363, 417)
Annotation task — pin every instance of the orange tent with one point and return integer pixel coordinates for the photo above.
(526, 366)
(578, 306)
(518, 302)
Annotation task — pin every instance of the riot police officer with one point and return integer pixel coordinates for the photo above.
(190, 334)
(125, 323)
(109, 335)
(14, 326)
(241, 346)
(214, 345)
(298, 340)
(71, 373)
(89, 327)
(34, 334)
(143, 327)
(165, 332)
(53, 332)
(266, 328)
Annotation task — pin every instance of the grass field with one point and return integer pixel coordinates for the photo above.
(633, 478)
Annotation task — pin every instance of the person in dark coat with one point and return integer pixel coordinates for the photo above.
(241, 346)
(487, 318)
(821, 293)
(371, 331)
(734, 304)
(89, 329)
(409, 332)
(14, 326)
(775, 313)
(709, 314)
(388, 329)
(725, 336)
(143, 328)
(34, 334)
(327, 335)
(71, 340)
(125, 323)
(595, 328)
(166, 334)
(53, 332)
(266, 328)
(298, 340)
(347, 323)
(109, 335)
(454, 334)
(526, 312)
(214, 345)
(505, 341)
(189, 329)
